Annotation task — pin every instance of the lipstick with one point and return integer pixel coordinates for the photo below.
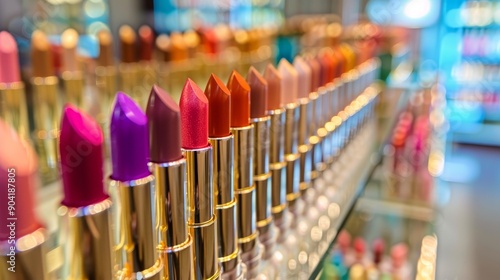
(222, 141)
(72, 75)
(85, 230)
(45, 97)
(198, 152)
(289, 93)
(243, 132)
(105, 77)
(22, 236)
(169, 169)
(129, 66)
(12, 95)
(148, 66)
(132, 190)
(277, 163)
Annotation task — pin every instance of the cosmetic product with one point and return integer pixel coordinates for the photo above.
(243, 132)
(85, 229)
(22, 236)
(12, 95)
(148, 66)
(132, 190)
(162, 45)
(198, 152)
(262, 174)
(105, 78)
(169, 168)
(222, 141)
(277, 163)
(289, 93)
(71, 75)
(129, 67)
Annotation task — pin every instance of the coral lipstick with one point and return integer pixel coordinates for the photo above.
(198, 152)
(244, 186)
(86, 208)
(169, 169)
(12, 96)
(132, 189)
(273, 79)
(222, 141)
(18, 169)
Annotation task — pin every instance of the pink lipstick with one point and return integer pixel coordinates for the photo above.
(86, 207)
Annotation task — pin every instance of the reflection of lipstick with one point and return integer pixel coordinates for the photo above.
(132, 188)
(86, 209)
(18, 171)
(105, 76)
(222, 141)
(12, 96)
(169, 169)
(289, 89)
(277, 146)
(243, 132)
(198, 152)
(72, 75)
(128, 67)
(45, 95)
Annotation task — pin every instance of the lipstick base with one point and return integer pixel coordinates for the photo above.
(278, 185)
(29, 257)
(205, 239)
(177, 261)
(263, 191)
(229, 252)
(292, 178)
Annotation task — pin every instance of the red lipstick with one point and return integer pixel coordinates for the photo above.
(219, 99)
(240, 100)
(86, 208)
(194, 116)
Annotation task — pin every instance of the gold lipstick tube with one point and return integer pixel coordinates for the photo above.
(47, 115)
(73, 87)
(305, 147)
(330, 111)
(13, 108)
(201, 215)
(292, 155)
(223, 181)
(278, 164)
(316, 138)
(129, 82)
(135, 224)
(244, 188)
(85, 236)
(174, 244)
(29, 260)
(262, 174)
(106, 85)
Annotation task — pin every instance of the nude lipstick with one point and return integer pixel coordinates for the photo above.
(193, 105)
(277, 163)
(222, 141)
(262, 173)
(22, 236)
(12, 96)
(169, 169)
(128, 67)
(132, 190)
(71, 75)
(244, 186)
(85, 211)
(48, 108)
(289, 92)
(105, 77)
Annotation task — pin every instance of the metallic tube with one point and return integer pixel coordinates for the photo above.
(262, 174)
(305, 147)
(292, 156)
(135, 224)
(244, 188)
(129, 82)
(13, 107)
(175, 242)
(278, 163)
(316, 139)
(73, 87)
(201, 212)
(85, 236)
(223, 181)
(47, 115)
(30, 257)
(106, 85)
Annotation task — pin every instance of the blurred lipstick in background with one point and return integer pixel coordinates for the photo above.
(128, 67)
(148, 65)
(72, 74)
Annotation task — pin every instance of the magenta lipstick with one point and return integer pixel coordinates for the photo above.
(169, 169)
(86, 208)
(132, 189)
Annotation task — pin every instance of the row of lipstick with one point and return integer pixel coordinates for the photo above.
(246, 152)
